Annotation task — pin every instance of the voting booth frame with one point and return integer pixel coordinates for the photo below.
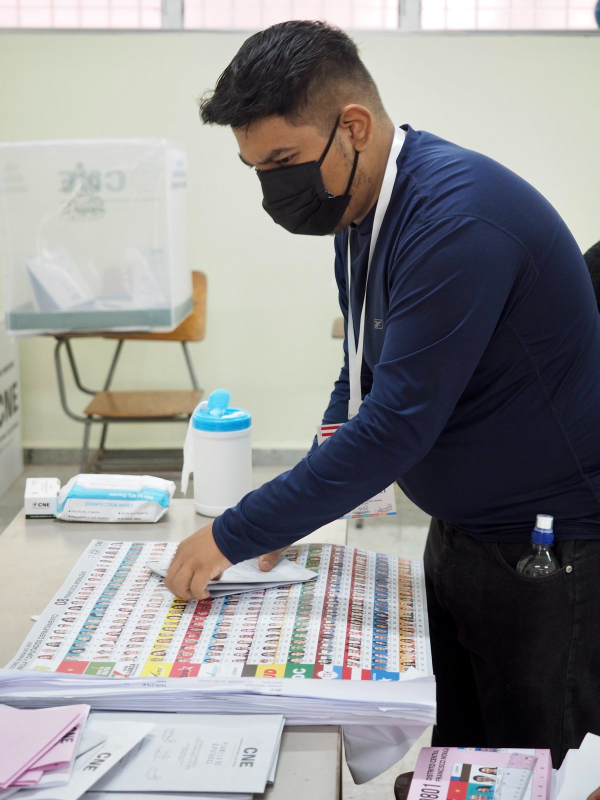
(11, 451)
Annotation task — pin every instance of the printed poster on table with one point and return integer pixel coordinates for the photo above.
(363, 619)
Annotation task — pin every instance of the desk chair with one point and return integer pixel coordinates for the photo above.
(109, 407)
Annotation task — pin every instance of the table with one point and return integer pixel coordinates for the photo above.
(37, 555)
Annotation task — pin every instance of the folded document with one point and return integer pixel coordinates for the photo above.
(31, 742)
(208, 753)
(248, 577)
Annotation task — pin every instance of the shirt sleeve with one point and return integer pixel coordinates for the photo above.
(451, 285)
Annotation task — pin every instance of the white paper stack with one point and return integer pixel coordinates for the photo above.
(349, 647)
(301, 702)
(579, 774)
(205, 755)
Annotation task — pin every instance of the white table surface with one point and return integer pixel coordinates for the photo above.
(37, 555)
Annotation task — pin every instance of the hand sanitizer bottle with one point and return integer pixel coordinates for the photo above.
(218, 451)
(540, 560)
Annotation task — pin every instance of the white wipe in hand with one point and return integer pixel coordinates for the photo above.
(247, 576)
(114, 498)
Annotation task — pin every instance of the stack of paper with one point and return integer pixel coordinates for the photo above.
(38, 744)
(476, 773)
(56, 754)
(579, 775)
(350, 647)
(145, 755)
(508, 773)
(187, 753)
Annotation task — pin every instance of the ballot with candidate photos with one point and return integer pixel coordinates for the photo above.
(360, 618)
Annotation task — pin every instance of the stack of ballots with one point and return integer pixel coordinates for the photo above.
(348, 647)
(137, 755)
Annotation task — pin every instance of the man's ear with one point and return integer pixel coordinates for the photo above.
(357, 120)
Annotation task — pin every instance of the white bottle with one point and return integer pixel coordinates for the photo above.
(218, 445)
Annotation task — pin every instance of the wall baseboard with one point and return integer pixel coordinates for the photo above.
(271, 457)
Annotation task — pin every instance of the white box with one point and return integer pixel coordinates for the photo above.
(41, 497)
(94, 235)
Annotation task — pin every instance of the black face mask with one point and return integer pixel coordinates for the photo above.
(296, 198)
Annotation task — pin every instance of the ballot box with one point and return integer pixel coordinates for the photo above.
(94, 235)
(11, 450)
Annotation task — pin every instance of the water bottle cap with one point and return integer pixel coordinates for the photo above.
(543, 522)
(215, 414)
(543, 532)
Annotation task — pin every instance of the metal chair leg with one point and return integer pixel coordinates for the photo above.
(190, 366)
(86, 446)
(61, 382)
(103, 436)
(113, 365)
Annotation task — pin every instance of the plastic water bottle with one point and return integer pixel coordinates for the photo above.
(540, 560)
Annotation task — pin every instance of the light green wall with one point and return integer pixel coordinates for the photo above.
(530, 101)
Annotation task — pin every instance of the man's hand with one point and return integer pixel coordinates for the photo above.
(269, 560)
(595, 795)
(197, 561)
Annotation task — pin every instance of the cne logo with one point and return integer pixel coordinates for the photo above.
(248, 758)
(9, 402)
(83, 188)
(378, 324)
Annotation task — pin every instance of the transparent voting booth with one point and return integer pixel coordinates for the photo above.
(94, 235)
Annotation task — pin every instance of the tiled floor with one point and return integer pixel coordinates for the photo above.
(403, 535)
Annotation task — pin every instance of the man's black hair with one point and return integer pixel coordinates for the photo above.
(301, 70)
(592, 259)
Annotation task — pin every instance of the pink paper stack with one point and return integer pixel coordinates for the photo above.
(35, 743)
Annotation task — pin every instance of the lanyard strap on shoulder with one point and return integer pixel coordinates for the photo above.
(355, 352)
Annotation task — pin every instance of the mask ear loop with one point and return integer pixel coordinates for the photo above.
(353, 173)
(330, 142)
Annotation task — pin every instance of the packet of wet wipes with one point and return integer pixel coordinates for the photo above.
(114, 498)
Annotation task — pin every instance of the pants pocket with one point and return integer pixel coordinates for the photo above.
(508, 555)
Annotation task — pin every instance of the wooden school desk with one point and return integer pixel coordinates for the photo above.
(37, 555)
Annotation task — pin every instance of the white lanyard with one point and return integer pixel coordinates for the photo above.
(355, 353)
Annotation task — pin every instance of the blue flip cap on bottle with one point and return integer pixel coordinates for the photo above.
(543, 533)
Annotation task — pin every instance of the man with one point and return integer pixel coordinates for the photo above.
(480, 384)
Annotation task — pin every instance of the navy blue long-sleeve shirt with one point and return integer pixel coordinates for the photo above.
(481, 382)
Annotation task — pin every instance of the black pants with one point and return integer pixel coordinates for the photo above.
(516, 659)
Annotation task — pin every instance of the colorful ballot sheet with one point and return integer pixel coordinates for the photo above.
(473, 773)
(363, 619)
